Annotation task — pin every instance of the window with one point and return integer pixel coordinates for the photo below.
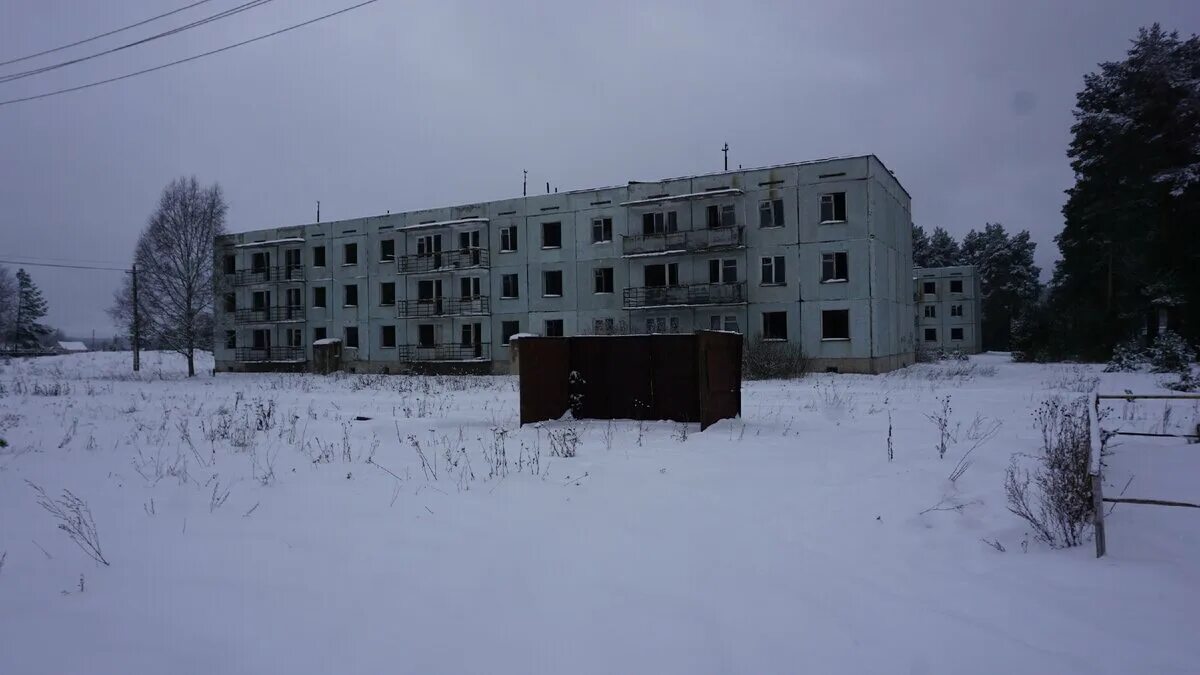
(472, 335)
(349, 254)
(261, 339)
(774, 325)
(726, 323)
(295, 337)
(508, 286)
(552, 283)
(657, 276)
(351, 295)
(387, 293)
(956, 334)
(230, 339)
(259, 262)
(662, 324)
(293, 300)
(601, 230)
(260, 300)
(319, 296)
(835, 324)
(722, 271)
(774, 271)
(721, 215)
(770, 213)
(387, 250)
(319, 333)
(318, 255)
(603, 280)
(508, 239)
(291, 263)
(604, 326)
(554, 328)
(833, 267)
(956, 310)
(468, 288)
(552, 235)
(425, 335)
(387, 336)
(660, 222)
(428, 245)
(230, 302)
(929, 288)
(931, 335)
(833, 207)
(508, 329)
(930, 311)
(352, 336)
(956, 286)
(230, 264)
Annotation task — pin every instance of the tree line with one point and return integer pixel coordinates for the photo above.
(22, 308)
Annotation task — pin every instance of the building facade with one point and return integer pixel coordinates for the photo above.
(948, 314)
(814, 253)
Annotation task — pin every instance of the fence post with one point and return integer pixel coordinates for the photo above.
(1096, 449)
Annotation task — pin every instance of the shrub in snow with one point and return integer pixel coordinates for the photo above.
(1188, 381)
(75, 518)
(773, 360)
(564, 442)
(1127, 357)
(1170, 353)
(1055, 497)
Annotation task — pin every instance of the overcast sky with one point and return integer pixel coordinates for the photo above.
(396, 106)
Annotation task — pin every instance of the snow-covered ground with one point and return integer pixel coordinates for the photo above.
(782, 542)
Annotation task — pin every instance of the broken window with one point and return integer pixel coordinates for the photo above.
(657, 276)
(554, 328)
(835, 324)
(387, 336)
(351, 295)
(929, 288)
(603, 280)
(387, 250)
(352, 336)
(721, 215)
(770, 213)
(774, 326)
(773, 271)
(833, 207)
(552, 283)
(552, 235)
(350, 254)
(387, 293)
(509, 329)
(319, 296)
(956, 286)
(509, 287)
(425, 335)
(601, 230)
(834, 267)
(508, 239)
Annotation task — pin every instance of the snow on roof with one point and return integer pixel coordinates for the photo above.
(271, 242)
(327, 341)
(517, 336)
(677, 198)
(72, 346)
(443, 223)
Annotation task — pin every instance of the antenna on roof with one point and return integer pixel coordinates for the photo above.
(318, 210)
(524, 182)
(725, 149)
(547, 187)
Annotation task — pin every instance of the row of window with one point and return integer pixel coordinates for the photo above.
(930, 287)
(931, 311)
(931, 335)
(771, 214)
(835, 325)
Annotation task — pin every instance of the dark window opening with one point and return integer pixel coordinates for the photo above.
(351, 296)
(603, 281)
(720, 215)
(509, 329)
(833, 207)
(774, 326)
(509, 287)
(425, 335)
(929, 288)
(230, 264)
(230, 339)
(956, 286)
(552, 281)
(601, 230)
(834, 266)
(931, 335)
(350, 254)
(956, 334)
(319, 296)
(387, 293)
(835, 324)
(387, 250)
(318, 254)
(387, 336)
(552, 235)
(554, 328)
(352, 336)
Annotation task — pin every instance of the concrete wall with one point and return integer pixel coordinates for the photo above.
(875, 234)
(956, 319)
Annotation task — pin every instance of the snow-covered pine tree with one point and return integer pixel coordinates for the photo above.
(920, 247)
(1007, 276)
(31, 307)
(943, 249)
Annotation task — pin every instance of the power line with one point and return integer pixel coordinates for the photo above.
(102, 35)
(190, 58)
(41, 258)
(195, 24)
(72, 267)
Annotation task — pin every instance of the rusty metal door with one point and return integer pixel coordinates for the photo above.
(674, 377)
(544, 364)
(719, 363)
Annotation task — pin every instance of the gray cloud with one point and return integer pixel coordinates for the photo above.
(399, 107)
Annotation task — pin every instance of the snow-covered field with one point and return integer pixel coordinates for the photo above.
(782, 542)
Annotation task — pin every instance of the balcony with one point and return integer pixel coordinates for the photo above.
(685, 241)
(458, 259)
(269, 314)
(415, 309)
(271, 354)
(643, 297)
(432, 353)
(267, 275)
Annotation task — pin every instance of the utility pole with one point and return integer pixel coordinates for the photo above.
(137, 325)
(725, 150)
(524, 182)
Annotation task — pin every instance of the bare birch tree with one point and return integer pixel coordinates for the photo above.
(174, 258)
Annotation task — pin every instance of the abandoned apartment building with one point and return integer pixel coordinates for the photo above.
(817, 254)
(948, 314)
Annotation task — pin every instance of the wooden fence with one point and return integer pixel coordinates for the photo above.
(1096, 467)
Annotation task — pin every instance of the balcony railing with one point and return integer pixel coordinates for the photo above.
(417, 353)
(267, 275)
(276, 354)
(696, 294)
(443, 260)
(687, 240)
(269, 314)
(406, 309)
